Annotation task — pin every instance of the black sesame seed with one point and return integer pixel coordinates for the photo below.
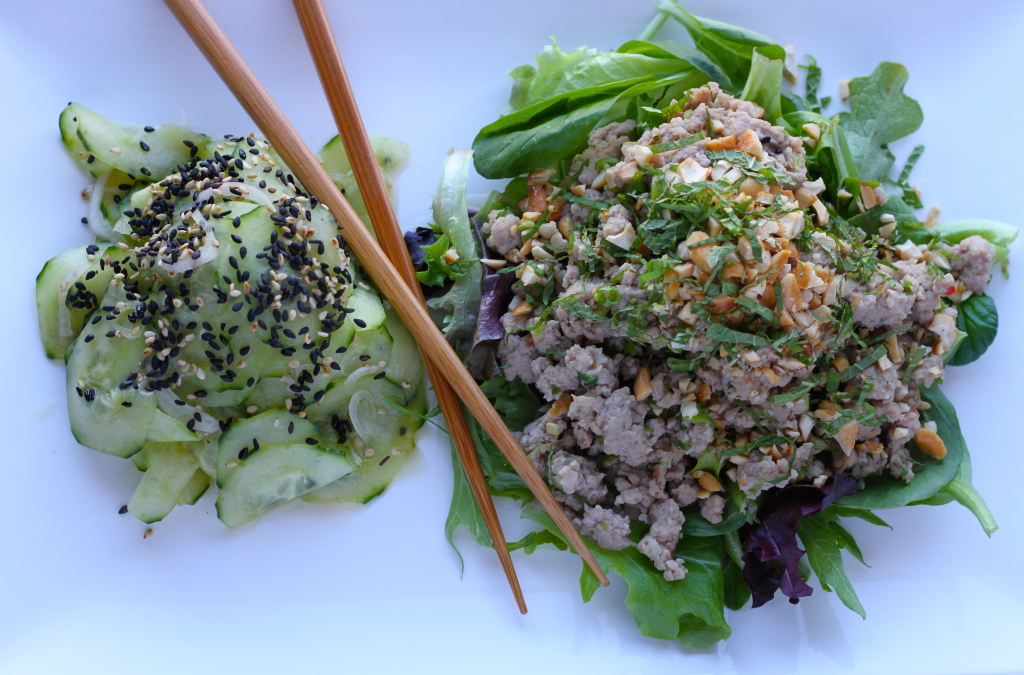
(311, 441)
(126, 404)
(123, 510)
(386, 458)
(291, 427)
(90, 337)
(142, 144)
(148, 130)
(360, 323)
(379, 375)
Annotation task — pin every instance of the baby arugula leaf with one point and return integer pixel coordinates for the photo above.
(880, 113)
(824, 546)
(517, 406)
(979, 319)
(690, 610)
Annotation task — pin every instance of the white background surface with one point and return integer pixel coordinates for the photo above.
(377, 589)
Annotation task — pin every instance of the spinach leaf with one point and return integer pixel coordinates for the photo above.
(558, 72)
(880, 113)
(670, 49)
(960, 488)
(886, 492)
(979, 319)
(731, 48)
(689, 610)
(764, 85)
(998, 234)
(456, 310)
(824, 552)
(557, 127)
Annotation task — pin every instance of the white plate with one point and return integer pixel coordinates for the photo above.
(377, 589)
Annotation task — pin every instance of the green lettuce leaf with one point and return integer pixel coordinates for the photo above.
(764, 85)
(457, 309)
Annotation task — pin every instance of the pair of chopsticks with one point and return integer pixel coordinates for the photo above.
(324, 49)
(392, 272)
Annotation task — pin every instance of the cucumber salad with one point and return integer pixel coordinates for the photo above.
(218, 331)
(713, 313)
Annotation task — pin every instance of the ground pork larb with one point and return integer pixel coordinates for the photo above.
(702, 331)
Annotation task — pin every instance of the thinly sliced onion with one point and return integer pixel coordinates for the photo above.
(169, 402)
(362, 412)
(207, 252)
(99, 225)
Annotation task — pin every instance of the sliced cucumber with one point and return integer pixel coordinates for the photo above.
(104, 416)
(374, 473)
(277, 474)
(391, 154)
(195, 489)
(165, 429)
(101, 145)
(380, 426)
(273, 427)
(50, 292)
(171, 468)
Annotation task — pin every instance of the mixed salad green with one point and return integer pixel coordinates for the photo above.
(751, 547)
(218, 331)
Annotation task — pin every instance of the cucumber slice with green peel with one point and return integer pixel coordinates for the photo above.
(86, 287)
(405, 365)
(367, 310)
(171, 468)
(165, 429)
(359, 363)
(116, 193)
(104, 416)
(373, 474)
(195, 489)
(248, 437)
(390, 154)
(277, 474)
(49, 298)
(146, 155)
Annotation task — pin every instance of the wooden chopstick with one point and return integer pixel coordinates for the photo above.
(324, 49)
(242, 82)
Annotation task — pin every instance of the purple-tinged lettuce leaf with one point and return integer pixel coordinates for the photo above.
(495, 292)
(772, 558)
(415, 240)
